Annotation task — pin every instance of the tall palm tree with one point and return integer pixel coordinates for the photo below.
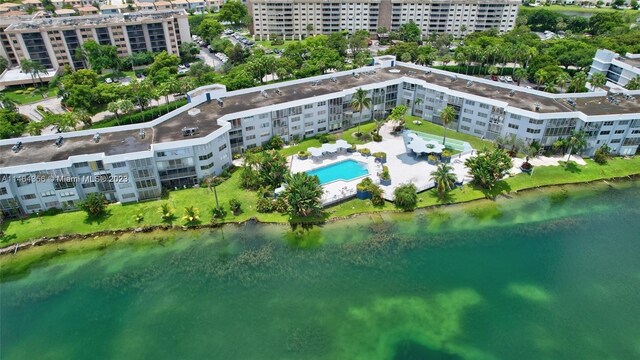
(80, 54)
(303, 194)
(577, 141)
(461, 60)
(447, 115)
(597, 80)
(444, 177)
(416, 102)
(519, 74)
(39, 68)
(562, 79)
(359, 102)
(26, 66)
(540, 77)
(578, 81)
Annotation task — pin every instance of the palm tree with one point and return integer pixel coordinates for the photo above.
(578, 81)
(80, 54)
(416, 102)
(34, 128)
(444, 177)
(577, 141)
(303, 194)
(191, 215)
(359, 102)
(540, 77)
(519, 74)
(38, 69)
(447, 115)
(562, 79)
(26, 66)
(461, 60)
(597, 80)
(166, 212)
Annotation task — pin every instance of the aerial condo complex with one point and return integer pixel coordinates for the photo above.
(319, 179)
(198, 140)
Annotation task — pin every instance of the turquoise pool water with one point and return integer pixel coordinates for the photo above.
(343, 170)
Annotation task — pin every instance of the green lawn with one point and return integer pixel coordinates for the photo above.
(122, 216)
(302, 145)
(435, 129)
(365, 128)
(27, 97)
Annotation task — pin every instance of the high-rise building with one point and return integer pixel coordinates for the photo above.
(298, 18)
(53, 41)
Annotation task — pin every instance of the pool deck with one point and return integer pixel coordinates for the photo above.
(403, 167)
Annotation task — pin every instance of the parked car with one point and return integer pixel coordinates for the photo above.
(509, 79)
(139, 76)
(494, 78)
(503, 78)
(108, 80)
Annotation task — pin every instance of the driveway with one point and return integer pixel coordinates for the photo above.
(209, 59)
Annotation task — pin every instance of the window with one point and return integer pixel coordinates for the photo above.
(81, 164)
(607, 132)
(3, 191)
(250, 137)
(481, 123)
(468, 111)
(608, 123)
(483, 115)
(265, 125)
(128, 196)
(308, 106)
(322, 112)
(533, 131)
(206, 167)
(615, 141)
(618, 132)
(466, 119)
(205, 157)
(28, 196)
(478, 131)
(465, 128)
(67, 194)
(48, 193)
(484, 106)
(469, 102)
(514, 126)
(249, 128)
(535, 122)
(516, 117)
(623, 122)
(118, 165)
(222, 147)
(322, 103)
(23, 180)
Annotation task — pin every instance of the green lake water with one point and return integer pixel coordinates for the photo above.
(551, 274)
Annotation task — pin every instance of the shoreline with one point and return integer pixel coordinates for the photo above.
(42, 241)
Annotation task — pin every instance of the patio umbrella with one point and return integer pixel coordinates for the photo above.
(342, 144)
(315, 152)
(330, 148)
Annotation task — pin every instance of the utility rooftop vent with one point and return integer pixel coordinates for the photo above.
(59, 141)
(193, 112)
(191, 131)
(17, 147)
(142, 134)
(96, 137)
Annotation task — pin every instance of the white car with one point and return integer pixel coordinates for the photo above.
(108, 80)
(509, 79)
(502, 78)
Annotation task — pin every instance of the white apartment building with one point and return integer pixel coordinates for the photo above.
(134, 162)
(52, 41)
(618, 69)
(292, 18)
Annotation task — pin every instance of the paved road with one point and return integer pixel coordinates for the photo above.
(209, 59)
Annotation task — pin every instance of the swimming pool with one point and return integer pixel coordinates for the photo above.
(344, 170)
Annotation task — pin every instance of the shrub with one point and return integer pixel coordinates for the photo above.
(380, 155)
(385, 173)
(138, 218)
(432, 158)
(602, 155)
(219, 212)
(18, 92)
(325, 138)
(364, 184)
(275, 143)
(446, 153)
(235, 206)
(406, 197)
(376, 195)
(265, 205)
(30, 89)
(95, 204)
(304, 154)
(365, 151)
(377, 137)
(40, 108)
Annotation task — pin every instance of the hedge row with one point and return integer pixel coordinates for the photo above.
(141, 116)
